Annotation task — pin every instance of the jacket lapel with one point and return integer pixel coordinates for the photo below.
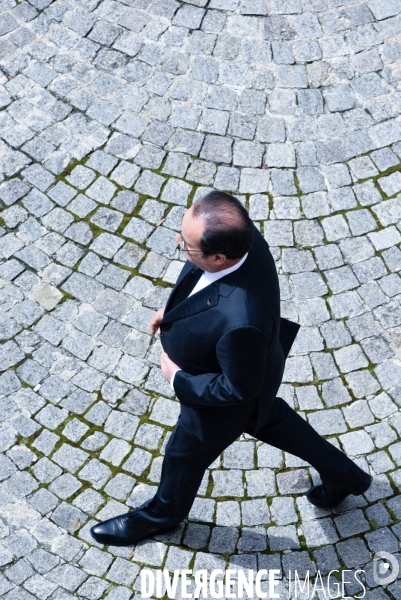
(185, 287)
(199, 302)
(179, 306)
(187, 269)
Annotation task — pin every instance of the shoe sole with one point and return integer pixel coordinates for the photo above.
(358, 491)
(105, 542)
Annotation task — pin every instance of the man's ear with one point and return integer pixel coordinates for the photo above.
(219, 259)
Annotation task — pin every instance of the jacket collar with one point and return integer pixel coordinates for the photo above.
(208, 297)
(228, 283)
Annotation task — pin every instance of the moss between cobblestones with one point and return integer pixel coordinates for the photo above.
(392, 484)
(373, 524)
(302, 542)
(338, 573)
(376, 178)
(160, 282)
(74, 162)
(392, 514)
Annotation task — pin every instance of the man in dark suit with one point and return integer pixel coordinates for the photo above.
(224, 353)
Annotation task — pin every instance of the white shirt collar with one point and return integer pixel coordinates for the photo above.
(219, 274)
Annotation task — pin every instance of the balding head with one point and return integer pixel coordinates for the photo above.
(227, 226)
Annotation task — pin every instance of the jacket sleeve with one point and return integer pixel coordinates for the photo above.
(241, 354)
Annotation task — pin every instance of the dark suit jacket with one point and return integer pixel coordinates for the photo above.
(226, 339)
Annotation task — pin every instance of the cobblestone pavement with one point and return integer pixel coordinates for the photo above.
(115, 116)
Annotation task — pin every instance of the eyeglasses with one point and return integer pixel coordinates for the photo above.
(185, 245)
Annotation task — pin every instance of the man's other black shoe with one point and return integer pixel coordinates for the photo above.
(325, 496)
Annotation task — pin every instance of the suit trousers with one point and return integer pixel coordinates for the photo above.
(187, 458)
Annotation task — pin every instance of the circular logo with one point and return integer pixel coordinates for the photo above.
(385, 568)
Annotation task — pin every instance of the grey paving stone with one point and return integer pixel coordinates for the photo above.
(65, 486)
(227, 483)
(382, 537)
(380, 462)
(136, 402)
(125, 174)
(186, 141)
(326, 559)
(239, 455)
(78, 344)
(323, 365)
(46, 441)
(382, 434)
(299, 562)
(353, 552)
(115, 452)
(351, 523)
(137, 462)
(241, 562)
(19, 571)
(358, 414)
(89, 501)
(283, 538)
(293, 482)
(70, 458)
(253, 181)
(308, 398)
(153, 211)
(97, 440)
(82, 206)
(196, 536)
(113, 277)
(372, 268)
(361, 221)
(282, 53)
(21, 484)
(253, 539)
(327, 422)
(382, 406)
(68, 576)
(283, 511)
(367, 193)
(357, 442)
(9, 383)
(96, 473)
(122, 425)
(10, 355)
(123, 572)
(217, 149)
(378, 515)
(223, 539)
(350, 358)
(31, 372)
(308, 285)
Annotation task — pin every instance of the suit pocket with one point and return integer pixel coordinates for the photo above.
(199, 355)
(192, 344)
(190, 338)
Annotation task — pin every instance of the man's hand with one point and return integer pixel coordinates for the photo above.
(155, 322)
(167, 366)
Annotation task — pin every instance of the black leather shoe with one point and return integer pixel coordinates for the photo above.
(325, 496)
(125, 530)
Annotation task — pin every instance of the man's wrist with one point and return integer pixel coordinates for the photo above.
(172, 379)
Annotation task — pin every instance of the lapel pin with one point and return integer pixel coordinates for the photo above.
(208, 302)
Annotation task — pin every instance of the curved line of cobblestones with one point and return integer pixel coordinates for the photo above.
(116, 115)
